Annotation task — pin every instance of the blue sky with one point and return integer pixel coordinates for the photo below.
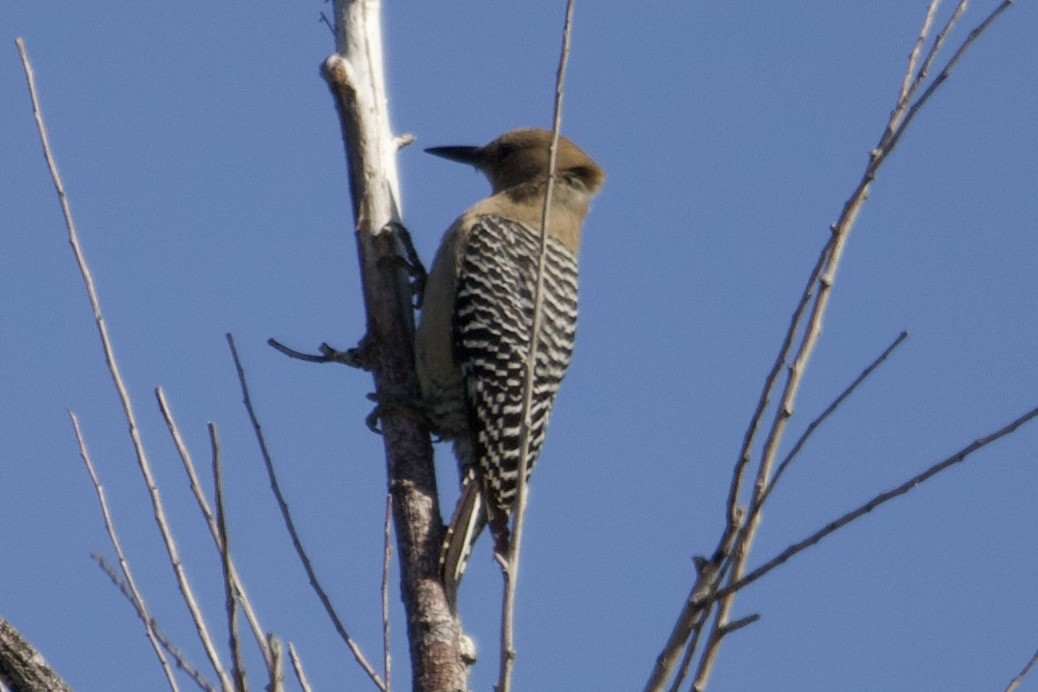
(202, 155)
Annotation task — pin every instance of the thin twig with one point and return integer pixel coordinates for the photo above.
(740, 529)
(210, 520)
(694, 626)
(740, 623)
(132, 592)
(908, 82)
(690, 620)
(123, 393)
(875, 502)
(942, 76)
(817, 422)
(353, 357)
(286, 515)
(690, 650)
(504, 683)
(1015, 682)
(729, 559)
(297, 666)
(327, 22)
(178, 655)
(733, 514)
(688, 628)
(387, 554)
(809, 339)
(938, 43)
(230, 601)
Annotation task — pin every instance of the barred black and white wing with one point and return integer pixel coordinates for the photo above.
(492, 327)
(493, 321)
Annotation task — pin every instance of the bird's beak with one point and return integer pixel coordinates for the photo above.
(470, 155)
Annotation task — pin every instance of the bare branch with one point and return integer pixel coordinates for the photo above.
(888, 146)
(286, 515)
(809, 339)
(210, 520)
(938, 43)
(353, 357)
(690, 624)
(123, 393)
(511, 572)
(875, 502)
(907, 81)
(179, 657)
(231, 602)
(696, 629)
(729, 559)
(276, 683)
(733, 513)
(1015, 682)
(739, 624)
(134, 594)
(297, 666)
(817, 422)
(355, 77)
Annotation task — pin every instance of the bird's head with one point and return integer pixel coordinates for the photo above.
(521, 157)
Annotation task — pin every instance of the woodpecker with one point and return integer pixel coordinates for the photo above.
(473, 338)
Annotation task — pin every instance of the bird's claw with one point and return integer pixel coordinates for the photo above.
(410, 261)
(395, 404)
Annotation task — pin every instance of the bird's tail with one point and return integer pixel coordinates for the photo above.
(466, 524)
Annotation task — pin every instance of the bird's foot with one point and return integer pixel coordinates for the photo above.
(409, 260)
(498, 521)
(389, 404)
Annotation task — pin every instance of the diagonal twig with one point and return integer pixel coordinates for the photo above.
(179, 657)
(875, 502)
(817, 422)
(131, 591)
(727, 565)
(207, 513)
(1015, 682)
(297, 666)
(286, 515)
(124, 396)
(809, 339)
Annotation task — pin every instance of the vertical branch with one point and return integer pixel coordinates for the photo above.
(354, 74)
(230, 598)
(512, 572)
(910, 80)
(276, 677)
(210, 520)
